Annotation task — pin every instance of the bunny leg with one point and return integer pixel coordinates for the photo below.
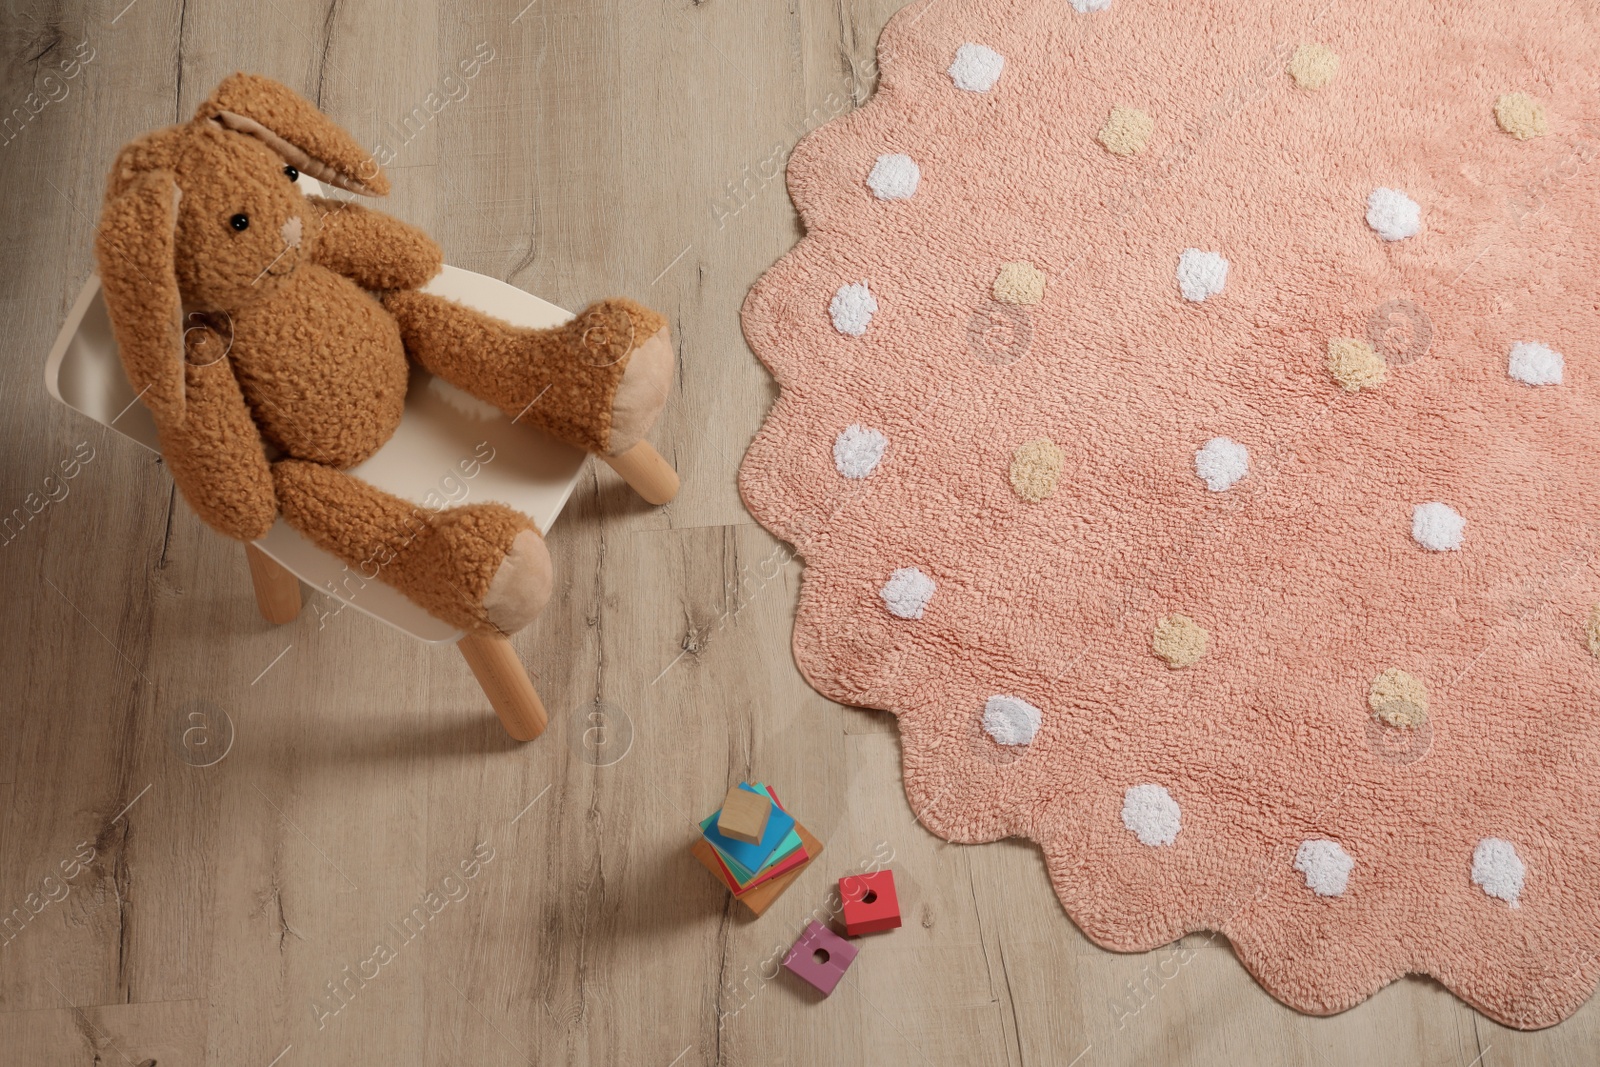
(482, 567)
(598, 382)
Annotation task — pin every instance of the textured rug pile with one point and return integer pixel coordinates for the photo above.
(1189, 423)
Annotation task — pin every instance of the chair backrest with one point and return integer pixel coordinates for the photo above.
(445, 451)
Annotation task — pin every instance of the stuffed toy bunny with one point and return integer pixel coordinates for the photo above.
(271, 335)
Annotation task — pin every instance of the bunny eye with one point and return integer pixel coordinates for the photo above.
(292, 174)
(240, 221)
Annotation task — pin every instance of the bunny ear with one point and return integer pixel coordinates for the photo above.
(134, 247)
(288, 124)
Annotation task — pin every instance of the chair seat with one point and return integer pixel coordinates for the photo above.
(427, 461)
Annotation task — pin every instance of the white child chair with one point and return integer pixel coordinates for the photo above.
(439, 455)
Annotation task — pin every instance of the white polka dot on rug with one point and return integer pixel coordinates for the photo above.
(852, 309)
(894, 177)
(1393, 214)
(1326, 866)
(1084, 7)
(857, 450)
(1498, 870)
(1151, 815)
(1536, 364)
(907, 592)
(1221, 463)
(1437, 526)
(1011, 720)
(1201, 274)
(976, 68)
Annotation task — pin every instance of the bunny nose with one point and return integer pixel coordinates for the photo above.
(291, 232)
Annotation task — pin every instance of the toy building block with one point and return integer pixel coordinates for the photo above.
(743, 857)
(744, 815)
(759, 898)
(820, 957)
(870, 903)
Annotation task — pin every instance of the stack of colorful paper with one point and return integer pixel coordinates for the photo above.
(757, 872)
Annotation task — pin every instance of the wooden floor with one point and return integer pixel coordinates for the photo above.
(208, 825)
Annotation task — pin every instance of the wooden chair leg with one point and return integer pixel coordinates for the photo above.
(277, 590)
(506, 683)
(643, 468)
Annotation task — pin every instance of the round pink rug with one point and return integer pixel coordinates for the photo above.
(1188, 422)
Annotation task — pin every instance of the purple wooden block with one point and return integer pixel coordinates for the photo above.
(820, 957)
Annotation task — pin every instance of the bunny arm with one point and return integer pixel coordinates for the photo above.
(374, 250)
(215, 450)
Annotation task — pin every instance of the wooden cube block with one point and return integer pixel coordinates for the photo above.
(744, 815)
(870, 903)
(820, 957)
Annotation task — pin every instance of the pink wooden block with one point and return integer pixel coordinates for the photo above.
(820, 957)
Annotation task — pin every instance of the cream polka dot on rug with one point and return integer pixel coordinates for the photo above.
(1180, 641)
(1084, 7)
(1398, 699)
(1536, 364)
(1201, 274)
(976, 68)
(1591, 630)
(894, 177)
(1036, 468)
(1127, 131)
(1498, 870)
(857, 450)
(1313, 65)
(1221, 463)
(1354, 365)
(852, 309)
(907, 592)
(1150, 813)
(1393, 214)
(1019, 283)
(1521, 116)
(1011, 720)
(1437, 526)
(1326, 866)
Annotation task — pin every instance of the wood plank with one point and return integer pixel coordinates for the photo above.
(168, 1033)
